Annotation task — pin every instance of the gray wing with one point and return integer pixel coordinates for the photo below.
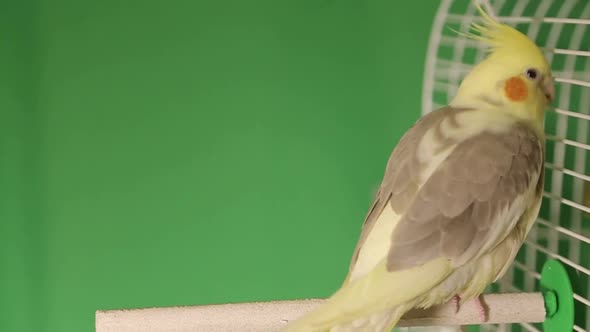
(401, 178)
(457, 209)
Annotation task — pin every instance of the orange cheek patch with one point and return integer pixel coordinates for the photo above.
(515, 89)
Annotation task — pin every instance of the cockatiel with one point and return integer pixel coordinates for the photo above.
(460, 193)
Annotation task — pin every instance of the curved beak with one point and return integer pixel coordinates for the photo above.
(548, 87)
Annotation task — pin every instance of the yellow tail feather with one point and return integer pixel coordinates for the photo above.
(380, 293)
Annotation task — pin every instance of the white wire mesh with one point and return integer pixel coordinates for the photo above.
(562, 29)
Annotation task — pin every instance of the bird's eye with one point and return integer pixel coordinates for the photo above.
(532, 73)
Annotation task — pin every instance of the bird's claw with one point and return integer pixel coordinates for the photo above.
(480, 305)
(456, 302)
(481, 308)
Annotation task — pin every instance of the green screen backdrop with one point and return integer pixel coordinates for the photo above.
(161, 153)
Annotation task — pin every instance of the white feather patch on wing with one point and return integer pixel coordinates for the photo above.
(473, 123)
(432, 151)
(377, 244)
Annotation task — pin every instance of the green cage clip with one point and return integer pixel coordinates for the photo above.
(558, 296)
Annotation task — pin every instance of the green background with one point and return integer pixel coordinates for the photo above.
(159, 153)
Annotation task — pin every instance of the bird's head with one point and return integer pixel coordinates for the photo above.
(514, 77)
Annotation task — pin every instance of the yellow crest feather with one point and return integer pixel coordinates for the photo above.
(501, 38)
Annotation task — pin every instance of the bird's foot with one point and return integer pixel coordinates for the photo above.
(481, 309)
(479, 304)
(456, 300)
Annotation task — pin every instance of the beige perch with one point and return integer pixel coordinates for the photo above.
(271, 316)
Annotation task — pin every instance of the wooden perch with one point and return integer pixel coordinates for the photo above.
(272, 316)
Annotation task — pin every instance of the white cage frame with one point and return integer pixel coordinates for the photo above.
(444, 76)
